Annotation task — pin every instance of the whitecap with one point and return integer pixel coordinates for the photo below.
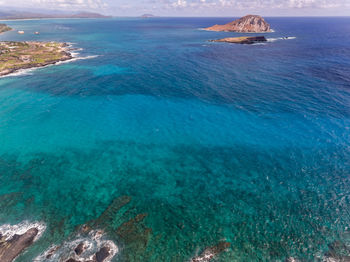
(8, 231)
(280, 38)
(28, 71)
(93, 242)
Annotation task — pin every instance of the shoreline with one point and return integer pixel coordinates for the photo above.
(68, 56)
(26, 71)
(64, 50)
(85, 244)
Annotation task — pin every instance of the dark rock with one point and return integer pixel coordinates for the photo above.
(10, 249)
(79, 249)
(242, 40)
(52, 251)
(72, 260)
(102, 254)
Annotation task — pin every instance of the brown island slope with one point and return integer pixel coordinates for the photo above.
(15, 56)
(246, 24)
(4, 28)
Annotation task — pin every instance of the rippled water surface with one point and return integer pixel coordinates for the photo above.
(209, 142)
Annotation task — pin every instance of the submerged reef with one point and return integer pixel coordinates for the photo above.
(211, 252)
(118, 231)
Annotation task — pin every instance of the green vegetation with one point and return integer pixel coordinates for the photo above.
(21, 55)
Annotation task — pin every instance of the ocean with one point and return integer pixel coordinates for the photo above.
(185, 142)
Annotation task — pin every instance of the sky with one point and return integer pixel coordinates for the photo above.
(227, 8)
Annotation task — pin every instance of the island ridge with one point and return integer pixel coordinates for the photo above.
(246, 24)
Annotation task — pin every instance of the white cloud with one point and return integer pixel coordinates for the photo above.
(180, 3)
(59, 4)
(255, 4)
(188, 7)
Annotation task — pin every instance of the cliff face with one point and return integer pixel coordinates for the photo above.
(4, 28)
(246, 24)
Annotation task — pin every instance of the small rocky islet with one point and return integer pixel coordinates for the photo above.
(4, 28)
(242, 40)
(246, 24)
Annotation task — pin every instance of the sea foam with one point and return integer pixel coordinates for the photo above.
(29, 71)
(280, 38)
(92, 243)
(8, 231)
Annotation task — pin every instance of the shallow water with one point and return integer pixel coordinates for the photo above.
(248, 144)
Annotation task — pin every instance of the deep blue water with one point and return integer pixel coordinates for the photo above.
(244, 143)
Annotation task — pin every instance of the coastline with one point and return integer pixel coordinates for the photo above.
(63, 50)
(87, 244)
(69, 56)
(50, 18)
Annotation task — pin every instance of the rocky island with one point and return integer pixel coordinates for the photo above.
(4, 28)
(242, 40)
(15, 56)
(147, 16)
(246, 24)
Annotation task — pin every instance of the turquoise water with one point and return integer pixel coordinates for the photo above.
(247, 144)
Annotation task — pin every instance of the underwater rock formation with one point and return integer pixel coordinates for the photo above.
(135, 236)
(210, 252)
(338, 251)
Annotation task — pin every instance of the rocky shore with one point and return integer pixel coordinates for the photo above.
(15, 239)
(15, 56)
(242, 40)
(4, 28)
(87, 245)
(246, 24)
(95, 240)
(91, 246)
